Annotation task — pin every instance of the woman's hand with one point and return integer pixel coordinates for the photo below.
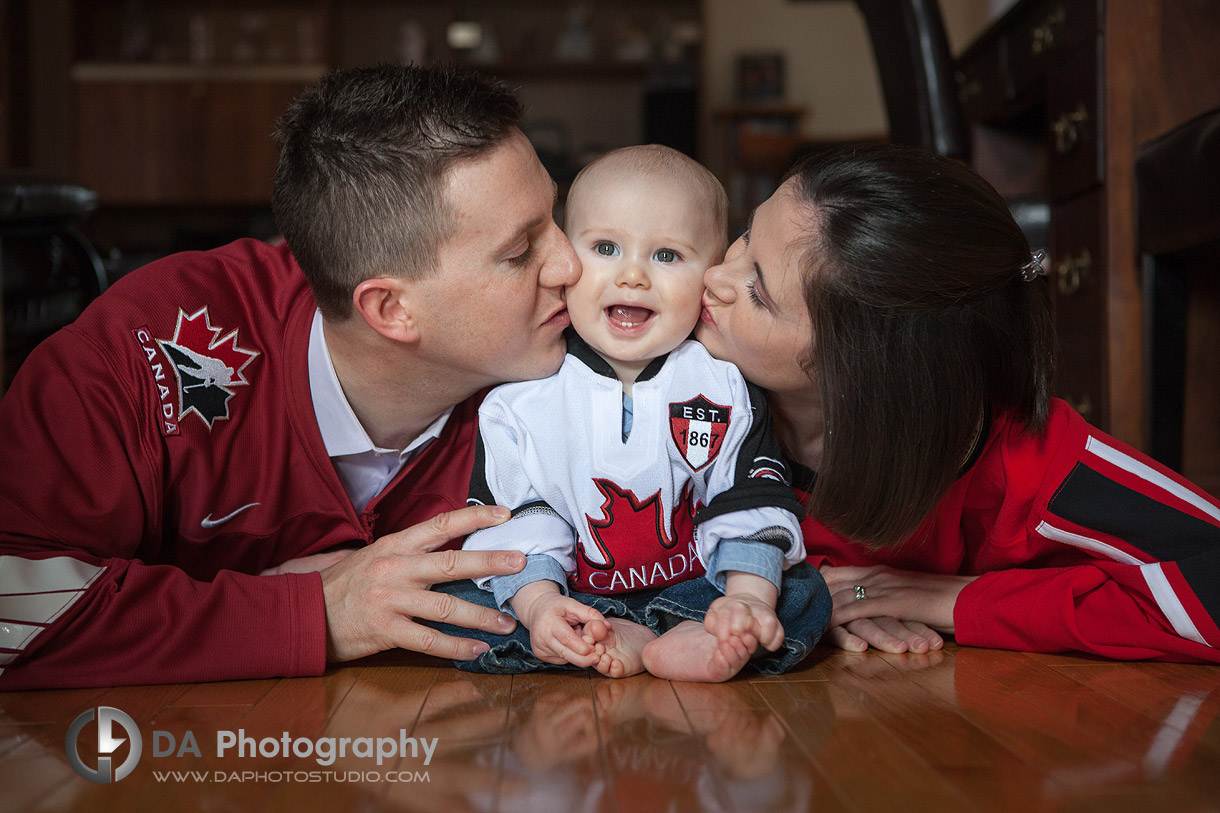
(903, 611)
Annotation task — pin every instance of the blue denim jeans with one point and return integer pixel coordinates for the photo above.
(803, 610)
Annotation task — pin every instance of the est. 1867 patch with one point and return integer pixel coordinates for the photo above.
(698, 427)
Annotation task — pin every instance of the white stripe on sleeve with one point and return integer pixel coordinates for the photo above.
(1169, 603)
(1086, 543)
(1147, 473)
(35, 592)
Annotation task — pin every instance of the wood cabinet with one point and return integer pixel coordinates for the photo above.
(1059, 95)
(759, 143)
(161, 135)
(173, 102)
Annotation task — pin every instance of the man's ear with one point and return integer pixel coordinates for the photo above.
(386, 305)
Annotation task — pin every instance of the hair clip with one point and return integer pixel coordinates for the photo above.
(1034, 268)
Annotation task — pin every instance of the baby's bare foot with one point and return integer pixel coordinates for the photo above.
(619, 644)
(689, 652)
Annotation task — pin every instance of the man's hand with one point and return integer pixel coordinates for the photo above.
(904, 610)
(373, 594)
(309, 564)
(554, 622)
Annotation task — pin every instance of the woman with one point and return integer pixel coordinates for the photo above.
(892, 309)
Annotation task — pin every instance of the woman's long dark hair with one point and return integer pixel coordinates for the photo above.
(921, 324)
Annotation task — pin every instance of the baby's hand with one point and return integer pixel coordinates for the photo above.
(554, 624)
(741, 614)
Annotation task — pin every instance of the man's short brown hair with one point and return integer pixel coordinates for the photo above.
(359, 190)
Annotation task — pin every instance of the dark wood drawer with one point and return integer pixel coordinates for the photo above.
(1049, 31)
(1073, 121)
(981, 85)
(1077, 276)
(179, 141)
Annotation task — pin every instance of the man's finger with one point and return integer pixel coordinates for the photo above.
(445, 527)
(443, 566)
(448, 609)
(418, 638)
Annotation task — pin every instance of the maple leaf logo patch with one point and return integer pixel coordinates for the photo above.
(208, 366)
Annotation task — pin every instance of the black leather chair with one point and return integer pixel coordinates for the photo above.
(50, 269)
(918, 82)
(911, 50)
(1178, 211)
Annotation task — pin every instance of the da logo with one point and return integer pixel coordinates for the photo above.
(107, 717)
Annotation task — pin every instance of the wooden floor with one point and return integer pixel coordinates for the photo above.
(966, 729)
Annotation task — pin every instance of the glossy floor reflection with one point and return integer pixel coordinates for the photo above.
(966, 729)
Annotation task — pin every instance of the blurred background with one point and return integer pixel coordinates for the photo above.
(130, 129)
(165, 108)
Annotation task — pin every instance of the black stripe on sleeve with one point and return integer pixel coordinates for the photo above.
(479, 492)
(1092, 500)
(1202, 573)
(759, 450)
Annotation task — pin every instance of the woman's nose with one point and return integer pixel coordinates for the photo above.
(718, 281)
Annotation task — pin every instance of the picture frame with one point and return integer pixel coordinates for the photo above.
(760, 78)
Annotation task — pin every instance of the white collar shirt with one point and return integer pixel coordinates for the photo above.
(364, 468)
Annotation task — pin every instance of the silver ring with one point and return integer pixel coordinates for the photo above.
(860, 592)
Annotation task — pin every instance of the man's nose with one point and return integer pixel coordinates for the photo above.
(562, 266)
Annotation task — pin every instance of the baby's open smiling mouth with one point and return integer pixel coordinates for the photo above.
(628, 317)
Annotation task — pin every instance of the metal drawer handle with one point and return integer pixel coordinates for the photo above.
(1073, 272)
(967, 87)
(1044, 35)
(1066, 129)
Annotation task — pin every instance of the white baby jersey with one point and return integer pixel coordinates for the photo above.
(701, 464)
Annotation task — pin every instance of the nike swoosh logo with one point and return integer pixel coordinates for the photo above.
(208, 522)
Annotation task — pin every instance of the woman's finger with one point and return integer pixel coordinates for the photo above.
(935, 640)
(840, 637)
(875, 636)
(905, 631)
(840, 576)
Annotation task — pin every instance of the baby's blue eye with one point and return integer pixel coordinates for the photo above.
(665, 255)
(606, 249)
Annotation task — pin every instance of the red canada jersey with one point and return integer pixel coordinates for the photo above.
(160, 452)
(1080, 543)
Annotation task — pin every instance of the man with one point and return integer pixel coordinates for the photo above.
(266, 410)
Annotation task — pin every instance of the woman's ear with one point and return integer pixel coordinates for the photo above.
(386, 305)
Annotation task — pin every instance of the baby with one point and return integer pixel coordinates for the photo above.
(644, 463)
